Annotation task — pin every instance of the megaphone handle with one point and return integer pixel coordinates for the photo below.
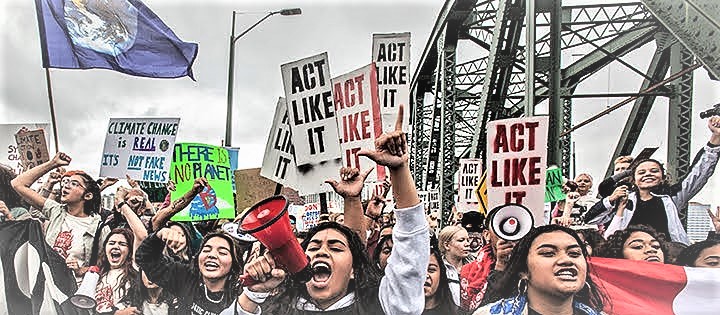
(246, 280)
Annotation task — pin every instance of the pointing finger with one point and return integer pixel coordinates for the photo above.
(366, 173)
(400, 116)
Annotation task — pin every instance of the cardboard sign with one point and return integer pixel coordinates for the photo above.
(32, 148)
(310, 105)
(279, 160)
(358, 118)
(139, 147)
(308, 93)
(9, 154)
(516, 162)
(195, 160)
(391, 55)
(251, 187)
(553, 185)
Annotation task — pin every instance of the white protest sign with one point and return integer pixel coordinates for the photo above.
(433, 197)
(279, 160)
(139, 147)
(358, 118)
(308, 93)
(516, 161)
(391, 54)
(469, 174)
(9, 154)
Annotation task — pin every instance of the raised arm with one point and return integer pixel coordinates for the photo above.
(405, 273)
(176, 206)
(701, 170)
(22, 182)
(350, 187)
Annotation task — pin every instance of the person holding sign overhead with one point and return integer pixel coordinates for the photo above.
(344, 280)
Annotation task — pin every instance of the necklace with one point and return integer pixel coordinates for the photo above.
(211, 300)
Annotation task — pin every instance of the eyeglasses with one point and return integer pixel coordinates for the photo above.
(74, 184)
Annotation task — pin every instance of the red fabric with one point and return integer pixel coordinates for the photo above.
(638, 287)
(473, 279)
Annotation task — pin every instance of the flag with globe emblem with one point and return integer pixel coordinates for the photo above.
(121, 35)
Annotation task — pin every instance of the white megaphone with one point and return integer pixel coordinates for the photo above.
(84, 298)
(511, 222)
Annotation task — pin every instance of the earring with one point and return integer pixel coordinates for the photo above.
(522, 287)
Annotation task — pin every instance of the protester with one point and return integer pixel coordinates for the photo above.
(438, 298)
(472, 221)
(549, 276)
(636, 242)
(382, 252)
(12, 206)
(455, 248)
(344, 280)
(151, 299)
(705, 254)
(73, 223)
(337, 217)
(207, 285)
(163, 215)
(621, 171)
(653, 202)
(117, 274)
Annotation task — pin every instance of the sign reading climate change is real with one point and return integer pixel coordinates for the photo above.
(139, 147)
(391, 55)
(195, 160)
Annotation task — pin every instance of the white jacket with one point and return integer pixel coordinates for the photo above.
(690, 186)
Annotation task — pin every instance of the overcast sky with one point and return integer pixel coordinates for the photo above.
(86, 99)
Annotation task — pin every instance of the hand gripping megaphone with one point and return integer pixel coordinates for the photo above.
(84, 298)
(511, 222)
(268, 221)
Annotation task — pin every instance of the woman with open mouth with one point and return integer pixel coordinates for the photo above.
(344, 280)
(637, 242)
(207, 285)
(654, 202)
(551, 278)
(117, 274)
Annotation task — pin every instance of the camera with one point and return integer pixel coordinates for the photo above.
(714, 111)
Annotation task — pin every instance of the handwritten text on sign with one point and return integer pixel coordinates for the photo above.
(516, 160)
(391, 54)
(32, 148)
(10, 155)
(139, 147)
(310, 106)
(279, 160)
(195, 160)
(358, 117)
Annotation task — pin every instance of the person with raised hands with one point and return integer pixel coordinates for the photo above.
(350, 187)
(73, 222)
(344, 279)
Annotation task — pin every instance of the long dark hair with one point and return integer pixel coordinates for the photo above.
(365, 285)
(443, 294)
(139, 294)
(7, 194)
(129, 274)
(691, 253)
(378, 250)
(231, 287)
(613, 247)
(506, 287)
(91, 206)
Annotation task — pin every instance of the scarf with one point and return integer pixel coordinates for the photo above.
(517, 305)
(473, 278)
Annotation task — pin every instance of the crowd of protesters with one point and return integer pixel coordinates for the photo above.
(368, 259)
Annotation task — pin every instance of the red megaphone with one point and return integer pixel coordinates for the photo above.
(269, 223)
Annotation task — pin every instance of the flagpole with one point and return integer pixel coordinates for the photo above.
(52, 108)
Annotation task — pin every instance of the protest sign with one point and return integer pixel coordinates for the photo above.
(423, 196)
(358, 118)
(279, 160)
(433, 197)
(469, 174)
(516, 161)
(32, 148)
(140, 148)
(156, 191)
(251, 187)
(308, 93)
(391, 55)
(8, 145)
(553, 184)
(195, 160)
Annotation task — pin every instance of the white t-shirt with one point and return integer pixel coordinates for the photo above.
(69, 242)
(155, 309)
(108, 292)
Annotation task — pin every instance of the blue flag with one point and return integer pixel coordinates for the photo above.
(122, 35)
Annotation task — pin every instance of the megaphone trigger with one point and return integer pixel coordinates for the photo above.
(511, 222)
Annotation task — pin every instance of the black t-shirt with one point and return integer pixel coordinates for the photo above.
(652, 213)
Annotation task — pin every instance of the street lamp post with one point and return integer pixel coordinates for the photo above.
(231, 67)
